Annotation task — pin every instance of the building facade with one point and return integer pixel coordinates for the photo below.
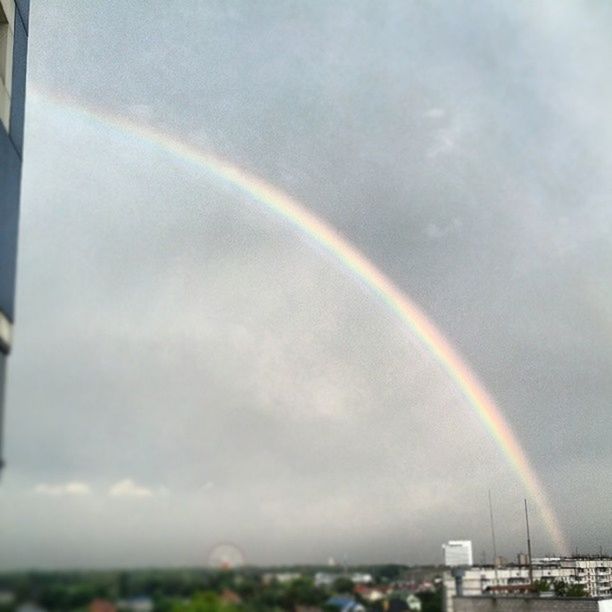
(593, 573)
(531, 604)
(457, 553)
(14, 16)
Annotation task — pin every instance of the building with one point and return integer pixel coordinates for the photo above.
(457, 553)
(593, 573)
(414, 603)
(523, 603)
(102, 605)
(140, 603)
(13, 50)
(344, 603)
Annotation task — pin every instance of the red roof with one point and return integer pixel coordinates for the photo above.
(102, 605)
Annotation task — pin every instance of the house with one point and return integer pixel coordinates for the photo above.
(362, 578)
(141, 603)
(230, 597)
(323, 579)
(414, 603)
(370, 594)
(102, 605)
(344, 603)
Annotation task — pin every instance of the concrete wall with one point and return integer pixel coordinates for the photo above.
(526, 604)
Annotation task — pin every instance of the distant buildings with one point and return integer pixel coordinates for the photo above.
(13, 50)
(282, 577)
(361, 578)
(457, 553)
(326, 579)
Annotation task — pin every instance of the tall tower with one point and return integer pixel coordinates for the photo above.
(13, 52)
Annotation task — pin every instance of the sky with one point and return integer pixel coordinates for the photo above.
(190, 371)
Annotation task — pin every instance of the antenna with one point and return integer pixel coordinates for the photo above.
(528, 544)
(493, 538)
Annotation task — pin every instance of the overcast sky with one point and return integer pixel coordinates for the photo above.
(189, 370)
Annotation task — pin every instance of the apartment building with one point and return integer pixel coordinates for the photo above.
(594, 573)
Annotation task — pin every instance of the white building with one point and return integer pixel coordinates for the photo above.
(595, 574)
(457, 553)
(361, 578)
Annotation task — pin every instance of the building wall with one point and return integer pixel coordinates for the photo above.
(11, 150)
(526, 604)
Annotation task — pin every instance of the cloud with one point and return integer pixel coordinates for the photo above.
(444, 143)
(434, 113)
(128, 488)
(435, 230)
(287, 383)
(69, 488)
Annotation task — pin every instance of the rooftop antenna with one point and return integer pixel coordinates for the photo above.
(493, 539)
(528, 544)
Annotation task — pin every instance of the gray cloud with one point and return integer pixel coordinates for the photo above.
(171, 335)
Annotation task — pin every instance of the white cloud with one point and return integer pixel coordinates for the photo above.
(444, 144)
(68, 488)
(128, 488)
(434, 113)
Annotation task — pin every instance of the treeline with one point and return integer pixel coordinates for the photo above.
(178, 590)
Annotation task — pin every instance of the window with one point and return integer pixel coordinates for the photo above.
(7, 16)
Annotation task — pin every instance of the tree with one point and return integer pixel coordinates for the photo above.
(303, 592)
(343, 585)
(575, 590)
(560, 588)
(431, 602)
(204, 602)
(541, 586)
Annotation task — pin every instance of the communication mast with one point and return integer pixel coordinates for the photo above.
(493, 539)
(528, 544)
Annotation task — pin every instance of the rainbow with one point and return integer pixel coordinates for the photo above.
(305, 222)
